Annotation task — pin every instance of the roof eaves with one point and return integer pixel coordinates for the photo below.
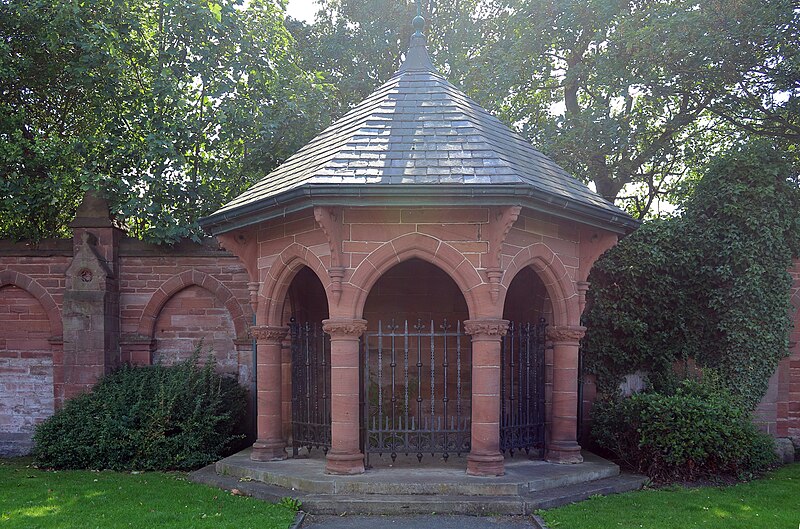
(417, 195)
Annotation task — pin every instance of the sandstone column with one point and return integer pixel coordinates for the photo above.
(485, 458)
(345, 455)
(270, 445)
(563, 446)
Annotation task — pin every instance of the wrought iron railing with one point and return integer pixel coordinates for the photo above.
(416, 390)
(311, 382)
(522, 397)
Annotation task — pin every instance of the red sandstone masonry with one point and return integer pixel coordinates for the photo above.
(170, 301)
(787, 380)
(26, 366)
(170, 297)
(365, 230)
(351, 249)
(201, 289)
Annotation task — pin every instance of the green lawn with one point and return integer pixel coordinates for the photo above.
(772, 502)
(31, 498)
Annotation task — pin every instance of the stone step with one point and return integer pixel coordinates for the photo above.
(402, 482)
(340, 504)
(522, 476)
(553, 498)
(413, 504)
(592, 469)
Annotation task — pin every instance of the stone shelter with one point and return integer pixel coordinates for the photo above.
(416, 229)
(409, 282)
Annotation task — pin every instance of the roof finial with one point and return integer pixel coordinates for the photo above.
(419, 22)
(417, 57)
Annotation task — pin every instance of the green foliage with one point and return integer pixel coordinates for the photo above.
(173, 107)
(710, 285)
(145, 418)
(290, 503)
(627, 95)
(697, 431)
(169, 107)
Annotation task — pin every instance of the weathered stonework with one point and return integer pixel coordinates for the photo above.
(460, 242)
(26, 369)
(267, 334)
(71, 310)
(344, 328)
(486, 328)
(566, 334)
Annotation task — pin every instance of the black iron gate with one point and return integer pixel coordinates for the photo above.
(522, 399)
(311, 383)
(416, 390)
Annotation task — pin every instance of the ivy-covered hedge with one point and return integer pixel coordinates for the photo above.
(145, 418)
(709, 285)
(696, 431)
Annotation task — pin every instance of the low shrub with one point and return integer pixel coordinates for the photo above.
(695, 431)
(145, 418)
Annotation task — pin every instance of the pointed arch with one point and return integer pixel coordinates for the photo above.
(32, 287)
(560, 286)
(420, 246)
(276, 284)
(182, 281)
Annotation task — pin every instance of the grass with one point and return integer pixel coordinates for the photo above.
(772, 502)
(31, 498)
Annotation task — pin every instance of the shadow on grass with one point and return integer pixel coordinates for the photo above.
(34, 498)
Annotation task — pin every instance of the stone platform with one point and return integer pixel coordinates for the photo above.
(406, 486)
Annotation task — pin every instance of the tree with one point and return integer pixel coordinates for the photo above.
(710, 285)
(626, 95)
(359, 44)
(169, 107)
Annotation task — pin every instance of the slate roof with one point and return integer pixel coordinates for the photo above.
(416, 131)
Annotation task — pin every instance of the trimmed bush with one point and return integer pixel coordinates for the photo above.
(145, 418)
(696, 431)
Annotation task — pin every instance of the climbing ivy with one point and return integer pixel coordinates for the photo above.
(709, 286)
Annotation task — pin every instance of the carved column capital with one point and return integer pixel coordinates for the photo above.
(572, 333)
(488, 328)
(344, 328)
(269, 334)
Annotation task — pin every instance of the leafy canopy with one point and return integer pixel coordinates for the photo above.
(626, 95)
(171, 107)
(711, 286)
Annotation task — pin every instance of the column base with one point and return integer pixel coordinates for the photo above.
(268, 451)
(344, 464)
(564, 453)
(486, 464)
